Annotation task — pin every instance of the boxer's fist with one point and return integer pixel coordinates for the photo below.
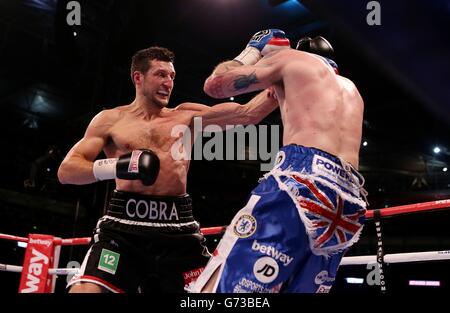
(269, 40)
(262, 43)
(139, 164)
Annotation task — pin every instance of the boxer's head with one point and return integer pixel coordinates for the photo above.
(152, 73)
(320, 46)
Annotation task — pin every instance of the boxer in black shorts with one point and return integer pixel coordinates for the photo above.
(145, 243)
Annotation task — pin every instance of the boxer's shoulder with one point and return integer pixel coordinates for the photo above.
(111, 115)
(190, 106)
(103, 122)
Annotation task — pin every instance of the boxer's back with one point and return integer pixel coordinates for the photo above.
(319, 108)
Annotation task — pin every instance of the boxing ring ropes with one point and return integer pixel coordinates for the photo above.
(42, 253)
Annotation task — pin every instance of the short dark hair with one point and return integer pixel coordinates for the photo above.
(141, 59)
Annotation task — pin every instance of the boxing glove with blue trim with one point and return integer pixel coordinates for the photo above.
(262, 43)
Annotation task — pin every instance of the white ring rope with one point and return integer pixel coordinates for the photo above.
(398, 257)
(52, 271)
(351, 260)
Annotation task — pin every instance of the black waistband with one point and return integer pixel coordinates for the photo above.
(151, 209)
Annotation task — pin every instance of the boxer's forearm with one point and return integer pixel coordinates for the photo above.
(77, 171)
(226, 66)
(215, 84)
(232, 113)
(260, 106)
(243, 79)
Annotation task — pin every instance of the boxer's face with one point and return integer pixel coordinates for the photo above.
(157, 83)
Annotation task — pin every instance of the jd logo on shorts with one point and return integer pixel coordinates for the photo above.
(108, 261)
(266, 269)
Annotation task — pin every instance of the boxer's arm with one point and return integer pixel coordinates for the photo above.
(77, 166)
(225, 67)
(231, 78)
(232, 113)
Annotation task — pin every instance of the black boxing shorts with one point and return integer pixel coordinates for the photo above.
(145, 244)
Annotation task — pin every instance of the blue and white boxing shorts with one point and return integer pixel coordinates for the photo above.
(298, 223)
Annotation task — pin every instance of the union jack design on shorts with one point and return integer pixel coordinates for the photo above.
(333, 221)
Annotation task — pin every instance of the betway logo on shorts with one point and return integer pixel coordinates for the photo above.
(329, 169)
(272, 252)
(152, 210)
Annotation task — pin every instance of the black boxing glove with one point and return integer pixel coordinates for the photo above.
(318, 45)
(139, 164)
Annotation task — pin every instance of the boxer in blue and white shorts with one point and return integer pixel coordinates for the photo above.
(295, 228)
(309, 209)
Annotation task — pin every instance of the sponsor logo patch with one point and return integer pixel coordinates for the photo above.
(323, 289)
(109, 260)
(266, 269)
(333, 171)
(133, 166)
(323, 277)
(245, 226)
(272, 252)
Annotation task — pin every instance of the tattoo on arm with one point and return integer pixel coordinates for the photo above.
(244, 81)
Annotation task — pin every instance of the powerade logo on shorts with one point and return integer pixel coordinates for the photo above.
(133, 166)
(333, 171)
(245, 226)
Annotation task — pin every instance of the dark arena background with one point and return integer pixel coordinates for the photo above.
(55, 77)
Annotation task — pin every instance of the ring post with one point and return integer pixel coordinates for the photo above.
(37, 261)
